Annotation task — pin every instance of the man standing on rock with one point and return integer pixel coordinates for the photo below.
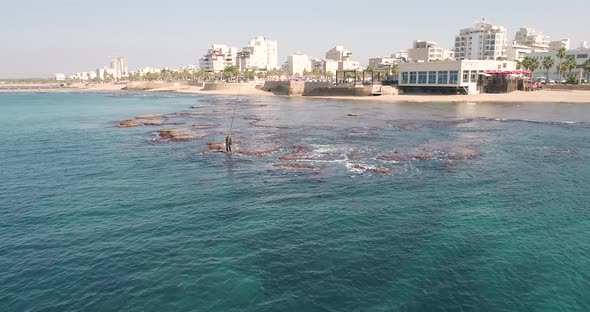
(228, 144)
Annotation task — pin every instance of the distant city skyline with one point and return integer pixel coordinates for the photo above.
(42, 38)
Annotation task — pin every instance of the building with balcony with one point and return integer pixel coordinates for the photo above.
(338, 53)
(260, 54)
(484, 41)
(428, 51)
(218, 57)
(581, 55)
(533, 39)
(558, 44)
(517, 52)
(297, 64)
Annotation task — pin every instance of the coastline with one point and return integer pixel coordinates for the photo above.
(543, 96)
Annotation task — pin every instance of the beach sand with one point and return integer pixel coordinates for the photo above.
(543, 96)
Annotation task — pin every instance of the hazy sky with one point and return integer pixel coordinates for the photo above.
(40, 37)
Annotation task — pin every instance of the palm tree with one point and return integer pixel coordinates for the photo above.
(570, 64)
(561, 53)
(586, 68)
(548, 63)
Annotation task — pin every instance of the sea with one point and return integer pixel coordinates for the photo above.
(324, 205)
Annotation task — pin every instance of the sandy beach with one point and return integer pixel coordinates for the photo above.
(543, 96)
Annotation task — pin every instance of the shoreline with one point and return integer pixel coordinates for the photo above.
(542, 96)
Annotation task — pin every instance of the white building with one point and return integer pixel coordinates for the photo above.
(298, 63)
(260, 54)
(450, 75)
(400, 55)
(558, 44)
(102, 73)
(517, 52)
(119, 67)
(142, 71)
(338, 53)
(331, 66)
(428, 51)
(533, 39)
(580, 55)
(218, 57)
(349, 65)
(482, 42)
(60, 77)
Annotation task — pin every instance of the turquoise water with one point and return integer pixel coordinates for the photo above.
(487, 208)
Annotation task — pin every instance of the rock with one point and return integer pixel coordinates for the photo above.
(299, 166)
(264, 153)
(201, 126)
(127, 123)
(373, 169)
(179, 135)
(150, 116)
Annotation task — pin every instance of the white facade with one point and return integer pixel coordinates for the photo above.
(298, 63)
(331, 66)
(580, 55)
(260, 54)
(349, 65)
(218, 57)
(516, 52)
(482, 42)
(338, 53)
(449, 74)
(119, 67)
(428, 51)
(60, 77)
(401, 55)
(558, 44)
(533, 39)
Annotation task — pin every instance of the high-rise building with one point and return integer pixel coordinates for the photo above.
(533, 39)
(482, 42)
(260, 54)
(119, 67)
(218, 57)
(428, 51)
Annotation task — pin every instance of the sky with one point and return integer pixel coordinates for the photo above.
(39, 38)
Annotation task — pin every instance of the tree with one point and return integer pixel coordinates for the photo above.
(561, 53)
(586, 68)
(548, 63)
(231, 71)
(518, 65)
(570, 64)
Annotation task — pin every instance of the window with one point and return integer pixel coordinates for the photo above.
(465, 76)
(474, 76)
(443, 77)
(453, 76)
(432, 77)
(404, 77)
(412, 77)
(582, 56)
(422, 77)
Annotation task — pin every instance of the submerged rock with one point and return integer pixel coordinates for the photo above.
(299, 166)
(150, 116)
(203, 125)
(264, 153)
(372, 169)
(179, 135)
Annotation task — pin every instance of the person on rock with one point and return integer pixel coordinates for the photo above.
(228, 144)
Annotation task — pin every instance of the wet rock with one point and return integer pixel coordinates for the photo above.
(379, 170)
(179, 135)
(200, 126)
(299, 152)
(127, 123)
(150, 116)
(264, 153)
(299, 166)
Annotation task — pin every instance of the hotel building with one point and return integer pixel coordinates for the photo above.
(260, 54)
(482, 42)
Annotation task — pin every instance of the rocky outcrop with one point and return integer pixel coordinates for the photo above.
(179, 135)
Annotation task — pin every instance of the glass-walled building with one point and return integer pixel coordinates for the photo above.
(459, 76)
